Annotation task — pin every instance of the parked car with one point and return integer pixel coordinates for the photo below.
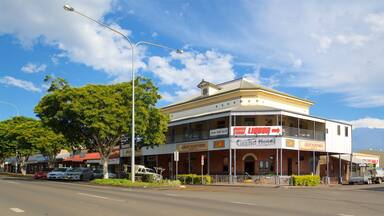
(79, 174)
(141, 170)
(58, 173)
(366, 178)
(41, 174)
(100, 174)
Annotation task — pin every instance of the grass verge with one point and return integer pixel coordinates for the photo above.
(129, 183)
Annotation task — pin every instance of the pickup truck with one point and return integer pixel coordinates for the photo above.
(358, 179)
(377, 175)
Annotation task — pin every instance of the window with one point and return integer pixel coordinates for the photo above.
(249, 121)
(220, 124)
(346, 131)
(264, 167)
(205, 91)
(338, 130)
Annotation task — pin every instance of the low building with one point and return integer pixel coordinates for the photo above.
(239, 129)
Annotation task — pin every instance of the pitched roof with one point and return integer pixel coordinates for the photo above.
(237, 84)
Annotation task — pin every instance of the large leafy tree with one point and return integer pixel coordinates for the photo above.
(6, 147)
(23, 137)
(49, 143)
(18, 133)
(99, 116)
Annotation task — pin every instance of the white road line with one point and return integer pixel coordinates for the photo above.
(100, 197)
(12, 182)
(17, 210)
(341, 214)
(244, 203)
(174, 195)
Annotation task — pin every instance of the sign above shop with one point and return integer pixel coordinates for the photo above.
(218, 132)
(312, 145)
(255, 143)
(256, 131)
(193, 147)
(219, 144)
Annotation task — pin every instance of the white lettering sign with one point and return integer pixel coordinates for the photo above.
(218, 132)
(255, 143)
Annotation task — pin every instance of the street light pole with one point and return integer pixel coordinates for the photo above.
(12, 105)
(133, 47)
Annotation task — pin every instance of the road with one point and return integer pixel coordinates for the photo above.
(20, 196)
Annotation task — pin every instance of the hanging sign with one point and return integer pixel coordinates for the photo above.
(218, 132)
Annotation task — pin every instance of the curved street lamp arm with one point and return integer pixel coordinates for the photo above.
(158, 45)
(12, 105)
(104, 25)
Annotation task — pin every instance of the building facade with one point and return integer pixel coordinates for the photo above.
(239, 129)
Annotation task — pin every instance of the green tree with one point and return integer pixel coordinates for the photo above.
(6, 147)
(49, 143)
(100, 115)
(19, 133)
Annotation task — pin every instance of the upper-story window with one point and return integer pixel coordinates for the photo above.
(205, 91)
(346, 131)
(220, 124)
(249, 121)
(338, 130)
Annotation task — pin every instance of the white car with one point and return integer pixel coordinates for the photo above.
(58, 173)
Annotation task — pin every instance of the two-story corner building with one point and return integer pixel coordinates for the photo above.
(239, 128)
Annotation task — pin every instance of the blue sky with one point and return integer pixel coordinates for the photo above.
(328, 52)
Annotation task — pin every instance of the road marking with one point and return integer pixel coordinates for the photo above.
(17, 210)
(341, 214)
(100, 197)
(12, 182)
(174, 195)
(244, 203)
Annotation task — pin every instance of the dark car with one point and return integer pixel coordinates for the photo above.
(99, 174)
(79, 174)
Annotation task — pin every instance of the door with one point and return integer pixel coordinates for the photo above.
(249, 165)
(289, 166)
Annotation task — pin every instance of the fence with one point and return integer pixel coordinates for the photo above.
(256, 179)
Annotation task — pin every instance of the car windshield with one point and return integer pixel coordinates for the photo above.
(60, 170)
(76, 170)
(98, 171)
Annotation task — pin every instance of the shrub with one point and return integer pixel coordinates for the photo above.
(128, 183)
(306, 180)
(194, 179)
(148, 177)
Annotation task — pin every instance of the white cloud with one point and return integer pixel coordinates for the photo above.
(367, 122)
(33, 68)
(154, 34)
(27, 85)
(339, 42)
(212, 66)
(80, 40)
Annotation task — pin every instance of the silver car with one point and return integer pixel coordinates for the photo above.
(58, 173)
(79, 174)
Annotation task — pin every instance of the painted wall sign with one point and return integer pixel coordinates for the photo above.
(255, 143)
(219, 144)
(218, 132)
(312, 145)
(290, 143)
(193, 147)
(256, 131)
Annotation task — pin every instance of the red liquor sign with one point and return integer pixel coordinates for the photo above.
(256, 131)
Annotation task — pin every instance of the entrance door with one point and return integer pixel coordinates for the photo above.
(289, 166)
(249, 165)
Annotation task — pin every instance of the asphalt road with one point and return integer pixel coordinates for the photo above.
(20, 196)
